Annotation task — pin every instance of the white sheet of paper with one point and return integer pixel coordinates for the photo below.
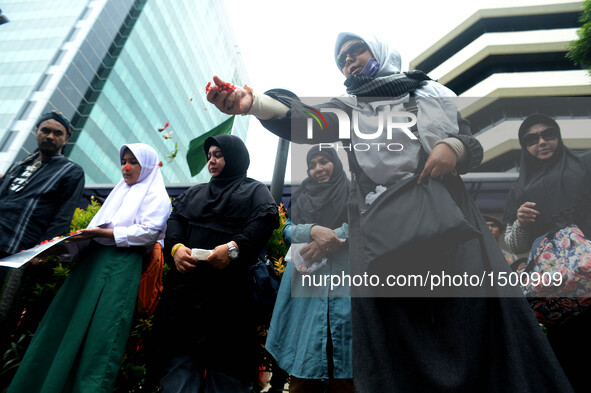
(18, 260)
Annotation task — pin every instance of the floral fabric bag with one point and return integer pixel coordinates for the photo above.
(559, 269)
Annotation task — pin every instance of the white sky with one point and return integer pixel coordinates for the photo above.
(290, 45)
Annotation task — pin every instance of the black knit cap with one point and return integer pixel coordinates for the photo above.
(57, 116)
(497, 222)
(533, 119)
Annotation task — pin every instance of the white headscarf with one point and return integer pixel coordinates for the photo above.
(390, 62)
(437, 116)
(144, 203)
(389, 58)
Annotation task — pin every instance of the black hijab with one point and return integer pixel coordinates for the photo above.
(230, 200)
(322, 203)
(559, 185)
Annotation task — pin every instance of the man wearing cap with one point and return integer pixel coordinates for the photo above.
(38, 197)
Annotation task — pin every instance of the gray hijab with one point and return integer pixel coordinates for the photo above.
(436, 115)
(389, 58)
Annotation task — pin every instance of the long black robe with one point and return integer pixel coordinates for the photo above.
(210, 313)
(478, 344)
(560, 187)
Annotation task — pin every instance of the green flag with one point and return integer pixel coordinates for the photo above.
(196, 158)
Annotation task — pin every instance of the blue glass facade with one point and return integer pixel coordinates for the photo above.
(142, 64)
(29, 44)
(159, 77)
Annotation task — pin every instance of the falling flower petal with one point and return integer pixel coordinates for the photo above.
(163, 128)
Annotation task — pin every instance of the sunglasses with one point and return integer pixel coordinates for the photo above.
(549, 134)
(353, 50)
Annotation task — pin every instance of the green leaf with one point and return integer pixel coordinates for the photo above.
(579, 51)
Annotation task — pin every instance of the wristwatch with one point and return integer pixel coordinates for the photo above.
(232, 251)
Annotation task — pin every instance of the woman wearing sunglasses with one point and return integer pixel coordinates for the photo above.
(549, 192)
(403, 343)
(551, 179)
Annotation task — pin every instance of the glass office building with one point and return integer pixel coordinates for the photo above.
(30, 45)
(121, 69)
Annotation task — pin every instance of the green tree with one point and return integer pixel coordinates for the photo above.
(580, 50)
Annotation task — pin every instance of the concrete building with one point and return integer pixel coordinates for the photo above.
(119, 69)
(507, 63)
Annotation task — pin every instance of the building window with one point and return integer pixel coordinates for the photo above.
(60, 57)
(27, 111)
(7, 140)
(44, 82)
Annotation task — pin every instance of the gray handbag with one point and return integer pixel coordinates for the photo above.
(410, 213)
